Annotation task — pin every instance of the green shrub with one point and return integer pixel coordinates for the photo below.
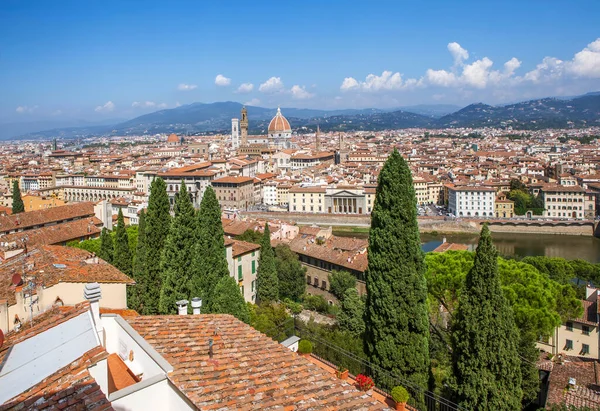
(305, 347)
(316, 303)
(399, 394)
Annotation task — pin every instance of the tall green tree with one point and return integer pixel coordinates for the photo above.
(352, 312)
(209, 262)
(339, 282)
(396, 311)
(291, 274)
(122, 253)
(135, 292)
(158, 222)
(485, 338)
(175, 262)
(107, 247)
(267, 283)
(229, 300)
(17, 201)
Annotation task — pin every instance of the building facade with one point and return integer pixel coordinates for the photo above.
(472, 201)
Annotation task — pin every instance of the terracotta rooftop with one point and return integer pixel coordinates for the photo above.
(233, 180)
(247, 369)
(242, 247)
(31, 219)
(450, 247)
(52, 264)
(71, 387)
(584, 393)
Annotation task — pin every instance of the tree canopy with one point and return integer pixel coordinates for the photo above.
(229, 300)
(17, 201)
(291, 273)
(267, 287)
(122, 254)
(339, 282)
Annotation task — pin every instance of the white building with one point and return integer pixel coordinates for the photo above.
(269, 194)
(280, 131)
(474, 201)
(563, 201)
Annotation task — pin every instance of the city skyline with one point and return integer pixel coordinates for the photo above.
(98, 63)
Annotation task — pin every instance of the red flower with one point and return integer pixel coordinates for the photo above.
(364, 383)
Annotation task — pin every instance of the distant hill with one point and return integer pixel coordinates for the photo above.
(581, 111)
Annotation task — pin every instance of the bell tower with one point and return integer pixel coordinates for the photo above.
(244, 127)
(317, 141)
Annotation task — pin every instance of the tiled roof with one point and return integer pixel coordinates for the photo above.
(242, 247)
(38, 217)
(233, 180)
(53, 264)
(72, 387)
(247, 369)
(58, 233)
(584, 373)
(450, 246)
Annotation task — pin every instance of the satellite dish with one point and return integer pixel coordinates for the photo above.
(1, 338)
(16, 279)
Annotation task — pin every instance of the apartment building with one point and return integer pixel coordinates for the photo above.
(235, 192)
(196, 178)
(562, 201)
(471, 201)
(91, 193)
(307, 199)
(301, 161)
(242, 260)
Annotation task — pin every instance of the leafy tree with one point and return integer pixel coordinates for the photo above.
(158, 221)
(290, 273)
(229, 300)
(122, 254)
(485, 337)
(315, 303)
(17, 201)
(107, 247)
(339, 282)
(176, 253)
(135, 292)
(557, 269)
(396, 320)
(91, 245)
(267, 287)
(250, 236)
(516, 184)
(352, 311)
(272, 320)
(209, 262)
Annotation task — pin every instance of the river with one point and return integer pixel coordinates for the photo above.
(521, 245)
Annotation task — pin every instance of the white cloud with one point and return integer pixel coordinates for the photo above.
(477, 73)
(186, 87)
(586, 63)
(300, 93)
(441, 78)
(458, 53)
(222, 81)
(373, 82)
(109, 106)
(26, 109)
(177, 104)
(272, 85)
(245, 88)
(252, 102)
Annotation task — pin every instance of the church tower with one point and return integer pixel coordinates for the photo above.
(244, 127)
(317, 141)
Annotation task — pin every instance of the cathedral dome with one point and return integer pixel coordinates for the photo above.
(279, 124)
(173, 139)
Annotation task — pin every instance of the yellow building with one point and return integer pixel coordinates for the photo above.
(505, 208)
(40, 202)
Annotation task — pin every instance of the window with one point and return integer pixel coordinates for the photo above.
(242, 290)
(239, 259)
(253, 285)
(308, 279)
(585, 349)
(569, 345)
(569, 326)
(240, 275)
(585, 330)
(253, 266)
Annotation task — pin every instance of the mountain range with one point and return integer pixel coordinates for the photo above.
(580, 111)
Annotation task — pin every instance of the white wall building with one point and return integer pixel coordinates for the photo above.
(472, 201)
(235, 133)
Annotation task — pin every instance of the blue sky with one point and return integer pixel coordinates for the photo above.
(118, 59)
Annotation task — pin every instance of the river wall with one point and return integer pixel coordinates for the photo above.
(426, 225)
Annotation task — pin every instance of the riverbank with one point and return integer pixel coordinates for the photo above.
(361, 223)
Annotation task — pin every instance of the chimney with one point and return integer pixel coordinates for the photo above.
(196, 304)
(182, 307)
(93, 294)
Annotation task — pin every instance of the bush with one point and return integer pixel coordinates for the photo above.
(305, 347)
(399, 394)
(316, 303)
(295, 308)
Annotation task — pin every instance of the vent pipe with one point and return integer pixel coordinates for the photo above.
(182, 307)
(196, 304)
(93, 294)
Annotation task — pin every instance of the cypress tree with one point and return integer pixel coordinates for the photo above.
(209, 262)
(158, 221)
(176, 255)
(17, 201)
(229, 300)
(291, 274)
(122, 253)
(352, 312)
(135, 292)
(485, 338)
(396, 312)
(267, 283)
(106, 246)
